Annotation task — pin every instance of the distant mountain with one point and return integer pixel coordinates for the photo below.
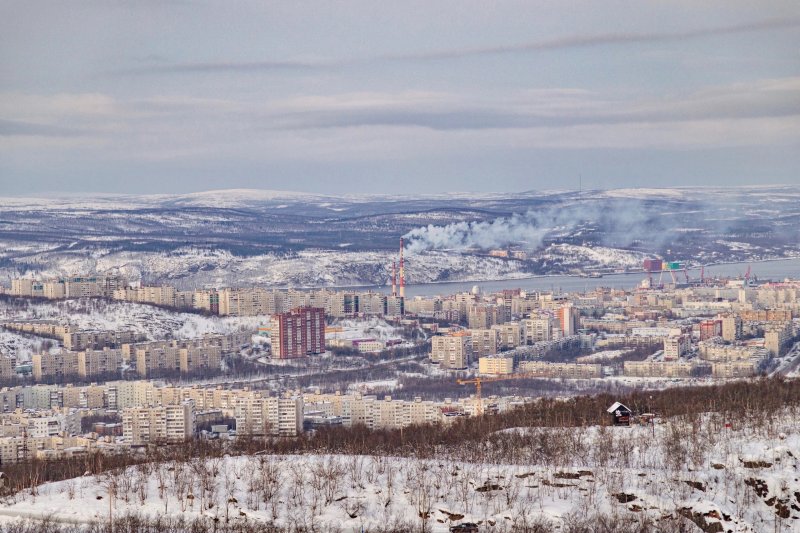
(281, 237)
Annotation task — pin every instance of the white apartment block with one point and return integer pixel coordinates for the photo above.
(538, 329)
(733, 369)
(158, 424)
(388, 413)
(511, 334)
(259, 416)
(451, 351)
(561, 370)
(496, 365)
(676, 346)
(665, 369)
(484, 341)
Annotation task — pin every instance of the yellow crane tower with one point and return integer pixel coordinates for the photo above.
(477, 381)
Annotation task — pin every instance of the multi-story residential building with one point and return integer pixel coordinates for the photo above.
(389, 413)
(561, 370)
(158, 424)
(57, 366)
(451, 351)
(99, 362)
(766, 315)
(495, 365)
(259, 416)
(484, 316)
(206, 300)
(776, 336)
(484, 342)
(7, 365)
(298, 333)
(710, 329)
(162, 295)
(195, 358)
(538, 328)
(717, 351)
(731, 328)
(733, 369)
(158, 357)
(83, 339)
(568, 319)
(511, 334)
(666, 369)
(676, 346)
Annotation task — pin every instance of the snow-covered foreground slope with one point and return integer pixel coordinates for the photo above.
(691, 472)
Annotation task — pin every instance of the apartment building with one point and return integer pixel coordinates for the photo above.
(561, 370)
(275, 416)
(56, 366)
(538, 329)
(716, 351)
(568, 319)
(663, 369)
(157, 357)
(298, 333)
(731, 328)
(388, 413)
(158, 424)
(676, 346)
(766, 315)
(7, 365)
(451, 351)
(163, 295)
(484, 316)
(776, 337)
(99, 362)
(511, 334)
(484, 342)
(495, 365)
(733, 369)
(87, 339)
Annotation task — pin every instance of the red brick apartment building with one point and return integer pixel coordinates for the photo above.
(298, 333)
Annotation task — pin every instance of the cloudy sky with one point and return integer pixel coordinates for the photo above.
(339, 97)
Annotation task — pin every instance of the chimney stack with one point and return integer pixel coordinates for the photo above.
(402, 272)
(394, 278)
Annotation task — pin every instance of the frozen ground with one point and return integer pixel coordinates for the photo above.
(22, 347)
(371, 328)
(744, 478)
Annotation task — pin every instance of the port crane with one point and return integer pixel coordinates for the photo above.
(479, 380)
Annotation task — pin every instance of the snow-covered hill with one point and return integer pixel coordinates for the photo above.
(678, 476)
(152, 322)
(237, 237)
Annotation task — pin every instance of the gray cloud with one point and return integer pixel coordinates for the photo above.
(19, 128)
(577, 41)
(224, 66)
(581, 41)
(733, 102)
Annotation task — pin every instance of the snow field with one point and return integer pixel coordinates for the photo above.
(744, 478)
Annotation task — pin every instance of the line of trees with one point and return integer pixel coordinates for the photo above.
(754, 402)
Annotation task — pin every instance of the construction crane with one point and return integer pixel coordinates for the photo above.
(480, 380)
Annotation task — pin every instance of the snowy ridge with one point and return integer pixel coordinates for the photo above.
(152, 322)
(739, 479)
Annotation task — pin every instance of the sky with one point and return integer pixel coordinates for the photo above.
(159, 96)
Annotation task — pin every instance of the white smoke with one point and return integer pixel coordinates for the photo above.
(619, 225)
(519, 229)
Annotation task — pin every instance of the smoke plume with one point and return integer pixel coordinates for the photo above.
(609, 223)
